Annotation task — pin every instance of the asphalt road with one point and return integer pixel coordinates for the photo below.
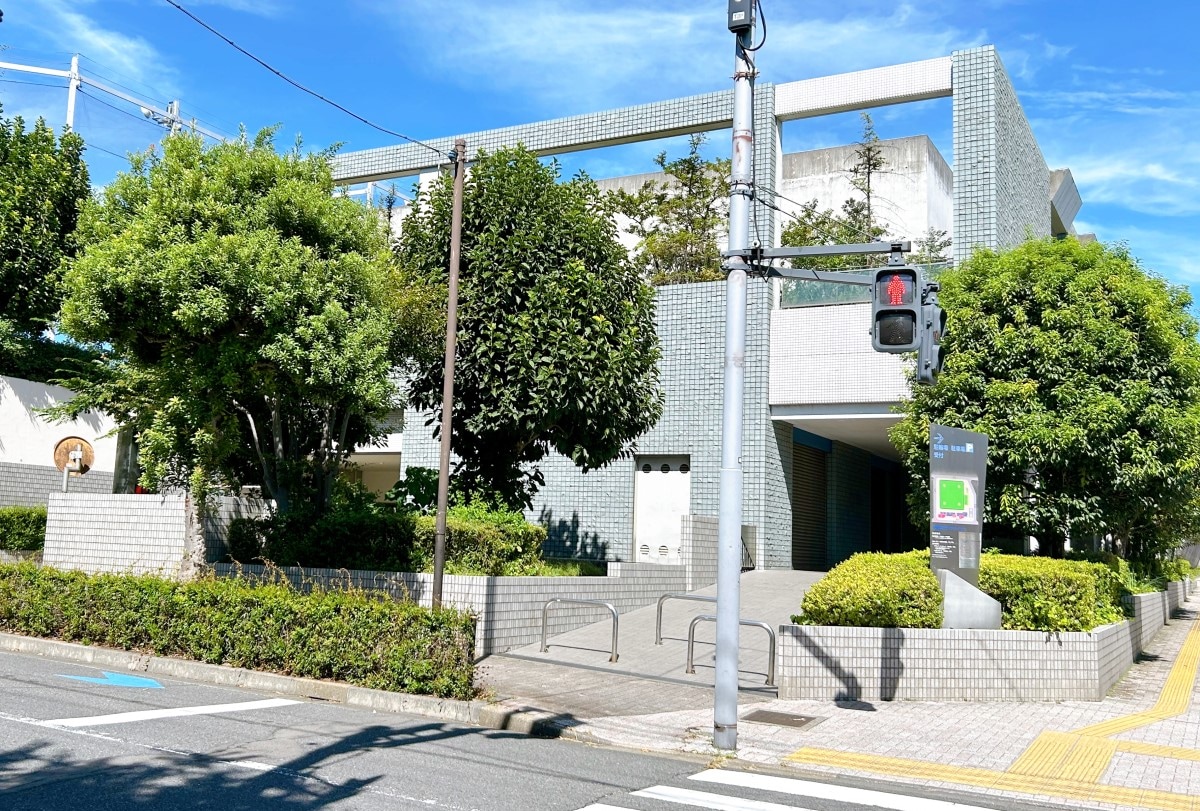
(75, 739)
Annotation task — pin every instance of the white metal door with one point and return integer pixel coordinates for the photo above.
(662, 496)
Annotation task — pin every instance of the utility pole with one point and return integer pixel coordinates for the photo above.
(729, 532)
(72, 90)
(443, 495)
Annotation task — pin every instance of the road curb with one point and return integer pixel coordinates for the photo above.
(507, 716)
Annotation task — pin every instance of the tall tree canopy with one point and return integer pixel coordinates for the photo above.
(255, 319)
(43, 185)
(679, 221)
(556, 344)
(1084, 371)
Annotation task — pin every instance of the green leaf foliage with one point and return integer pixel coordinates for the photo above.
(1084, 371)
(873, 590)
(22, 528)
(345, 636)
(256, 320)
(679, 221)
(557, 349)
(1043, 594)
(43, 185)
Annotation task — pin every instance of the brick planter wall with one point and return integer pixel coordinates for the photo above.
(882, 664)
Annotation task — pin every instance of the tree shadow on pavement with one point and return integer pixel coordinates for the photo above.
(47, 776)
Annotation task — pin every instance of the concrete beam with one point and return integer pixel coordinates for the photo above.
(863, 89)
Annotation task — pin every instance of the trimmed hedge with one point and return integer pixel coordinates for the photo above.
(875, 590)
(1045, 594)
(346, 636)
(22, 528)
(900, 591)
(479, 541)
(483, 542)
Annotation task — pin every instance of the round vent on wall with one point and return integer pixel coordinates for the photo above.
(646, 468)
(685, 467)
(665, 468)
(74, 454)
(645, 550)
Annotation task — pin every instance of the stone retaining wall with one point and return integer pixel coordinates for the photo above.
(509, 609)
(827, 663)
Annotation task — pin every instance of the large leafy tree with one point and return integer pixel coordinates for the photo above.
(1084, 371)
(679, 221)
(255, 319)
(556, 344)
(43, 184)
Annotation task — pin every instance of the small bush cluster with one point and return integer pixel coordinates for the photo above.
(876, 590)
(347, 636)
(22, 528)
(479, 541)
(1045, 594)
(901, 591)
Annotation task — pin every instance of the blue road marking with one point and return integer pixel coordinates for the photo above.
(117, 680)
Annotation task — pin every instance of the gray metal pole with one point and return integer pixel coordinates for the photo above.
(443, 494)
(729, 533)
(72, 90)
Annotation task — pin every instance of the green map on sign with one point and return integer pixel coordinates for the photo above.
(952, 494)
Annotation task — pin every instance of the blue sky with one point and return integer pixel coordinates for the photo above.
(1111, 88)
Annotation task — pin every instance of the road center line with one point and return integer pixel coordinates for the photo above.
(170, 712)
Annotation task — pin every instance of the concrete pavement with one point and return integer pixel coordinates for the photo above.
(1138, 748)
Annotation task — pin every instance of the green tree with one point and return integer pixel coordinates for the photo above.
(44, 182)
(868, 162)
(1084, 371)
(679, 221)
(556, 343)
(255, 319)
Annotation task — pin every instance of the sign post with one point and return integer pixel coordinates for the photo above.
(957, 476)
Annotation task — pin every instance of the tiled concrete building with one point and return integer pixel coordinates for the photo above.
(821, 477)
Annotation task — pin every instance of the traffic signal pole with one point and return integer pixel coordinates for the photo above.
(736, 265)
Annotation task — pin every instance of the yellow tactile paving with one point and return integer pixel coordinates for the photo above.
(1088, 760)
(1066, 765)
(1157, 750)
(1001, 781)
(1175, 698)
(1046, 755)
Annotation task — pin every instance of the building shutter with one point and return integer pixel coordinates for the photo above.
(809, 495)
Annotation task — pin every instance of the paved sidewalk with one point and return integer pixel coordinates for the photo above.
(1139, 748)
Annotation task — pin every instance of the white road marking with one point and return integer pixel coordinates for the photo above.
(718, 802)
(827, 791)
(603, 807)
(171, 712)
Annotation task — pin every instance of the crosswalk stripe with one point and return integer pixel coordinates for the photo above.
(827, 791)
(717, 802)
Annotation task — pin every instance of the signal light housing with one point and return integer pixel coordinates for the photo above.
(896, 309)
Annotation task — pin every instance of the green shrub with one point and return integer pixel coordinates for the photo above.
(1177, 569)
(1130, 579)
(878, 591)
(1044, 594)
(347, 636)
(22, 528)
(359, 539)
(483, 541)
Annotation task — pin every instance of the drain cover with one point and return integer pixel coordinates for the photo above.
(783, 719)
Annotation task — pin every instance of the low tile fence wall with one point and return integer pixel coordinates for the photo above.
(827, 663)
(509, 609)
(125, 534)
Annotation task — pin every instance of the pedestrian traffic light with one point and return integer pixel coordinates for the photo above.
(896, 309)
(930, 355)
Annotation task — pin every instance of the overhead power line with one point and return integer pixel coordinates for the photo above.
(299, 86)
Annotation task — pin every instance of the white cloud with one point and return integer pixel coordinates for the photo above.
(66, 28)
(262, 8)
(574, 55)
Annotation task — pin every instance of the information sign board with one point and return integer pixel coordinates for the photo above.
(957, 475)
